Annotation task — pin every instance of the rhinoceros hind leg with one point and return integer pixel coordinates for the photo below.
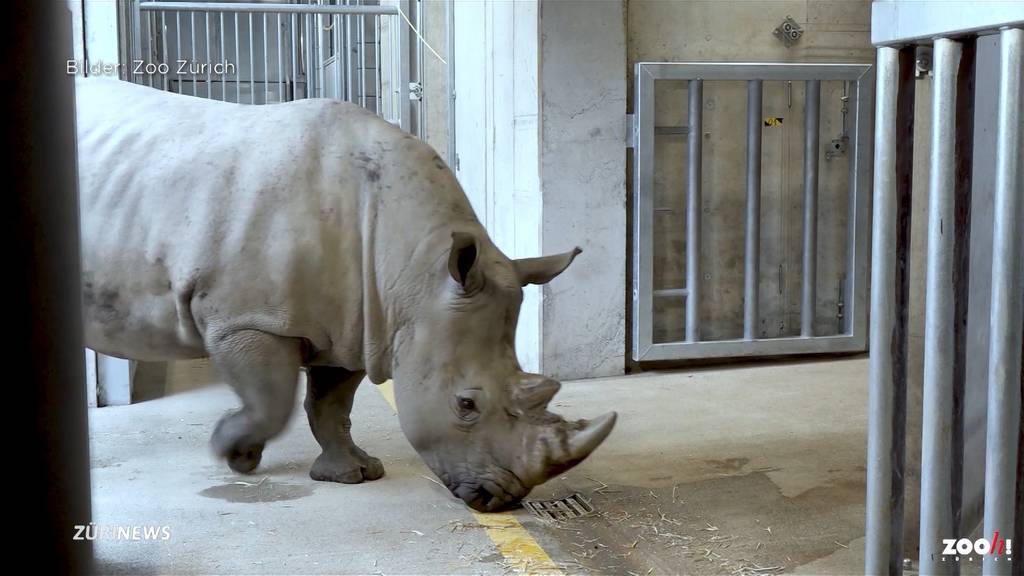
(329, 394)
(263, 370)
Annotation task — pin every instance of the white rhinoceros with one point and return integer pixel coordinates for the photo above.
(315, 234)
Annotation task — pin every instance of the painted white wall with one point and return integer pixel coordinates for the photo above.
(496, 111)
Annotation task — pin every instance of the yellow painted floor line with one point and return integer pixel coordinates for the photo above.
(522, 553)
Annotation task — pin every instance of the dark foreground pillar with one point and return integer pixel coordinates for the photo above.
(46, 448)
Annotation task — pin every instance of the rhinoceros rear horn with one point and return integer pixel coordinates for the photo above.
(543, 269)
(534, 392)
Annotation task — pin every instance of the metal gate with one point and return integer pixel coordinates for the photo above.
(854, 142)
(262, 53)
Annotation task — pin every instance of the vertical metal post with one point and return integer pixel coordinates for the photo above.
(209, 60)
(812, 116)
(693, 209)
(252, 65)
(887, 394)
(1007, 312)
(421, 103)
(404, 36)
(937, 440)
(450, 57)
(238, 63)
(361, 40)
(163, 48)
(752, 253)
(266, 57)
(192, 52)
(177, 44)
(376, 65)
(223, 62)
(280, 63)
(349, 76)
(295, 57)
(336, 49)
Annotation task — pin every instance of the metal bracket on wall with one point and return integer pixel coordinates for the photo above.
(789, 32)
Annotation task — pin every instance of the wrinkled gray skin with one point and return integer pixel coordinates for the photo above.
(313, 234)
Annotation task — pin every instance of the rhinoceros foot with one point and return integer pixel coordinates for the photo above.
(347, 468)
(233, 440)
(329, 395)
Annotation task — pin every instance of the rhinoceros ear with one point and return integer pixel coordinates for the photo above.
(462, 262)
(542, 270)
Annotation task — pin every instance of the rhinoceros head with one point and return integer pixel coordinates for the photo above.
(478, 420)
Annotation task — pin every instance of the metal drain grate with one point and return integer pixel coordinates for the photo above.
(574, 506)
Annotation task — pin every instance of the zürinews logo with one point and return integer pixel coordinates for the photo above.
(999, 549)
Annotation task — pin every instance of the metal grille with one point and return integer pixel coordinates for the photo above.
(262, 53)
(574, 506)
(852, 319)
(952, 29)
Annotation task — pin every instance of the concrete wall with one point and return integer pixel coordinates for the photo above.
(582, 174)
(708, 31)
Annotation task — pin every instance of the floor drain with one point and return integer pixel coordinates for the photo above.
(574, 506)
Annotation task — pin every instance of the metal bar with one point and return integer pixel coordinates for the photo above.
(223, 62)
(751, 256)
(163, 48)
(809, 288)
(887, 370)
(376, 65)
(963, 155)
(280, 63)
(349, 76)
(767, 71)
(937, 451)
(177, 48)
(209, 79)
(339, 72)
(136, 39)
(295, 57)
(450, 57)
(693, 208)
(405, 104)
(671, 293)
(920, 21)
(238, 62)
(252, 66)
(1007, 312)
(192, 52)
(421, 107)
(361, 42)
(741, 348)
(266, 76)
(270, 7)
(643, 215)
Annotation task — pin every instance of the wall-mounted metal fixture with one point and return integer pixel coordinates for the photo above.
(923, 61)
(789, 32)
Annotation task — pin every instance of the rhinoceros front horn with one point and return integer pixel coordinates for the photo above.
(586, 440)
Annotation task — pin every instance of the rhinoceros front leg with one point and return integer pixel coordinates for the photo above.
(329, 394)
(263, 369)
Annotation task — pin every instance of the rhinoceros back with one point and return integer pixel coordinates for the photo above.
(201, 217)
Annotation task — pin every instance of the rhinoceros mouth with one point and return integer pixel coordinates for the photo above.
(499, 490)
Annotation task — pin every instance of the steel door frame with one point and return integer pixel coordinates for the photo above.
(644, 347)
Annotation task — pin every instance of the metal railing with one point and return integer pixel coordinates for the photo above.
(952, 29)
(852, 336)
(260, 53)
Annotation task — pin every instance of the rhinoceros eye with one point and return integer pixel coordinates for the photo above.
(467, 404)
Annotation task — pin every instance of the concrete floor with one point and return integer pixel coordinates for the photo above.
(737, 470)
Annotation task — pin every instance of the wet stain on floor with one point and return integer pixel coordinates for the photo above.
(254, 492)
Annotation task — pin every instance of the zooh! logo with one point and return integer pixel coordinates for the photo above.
(1000, 549)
